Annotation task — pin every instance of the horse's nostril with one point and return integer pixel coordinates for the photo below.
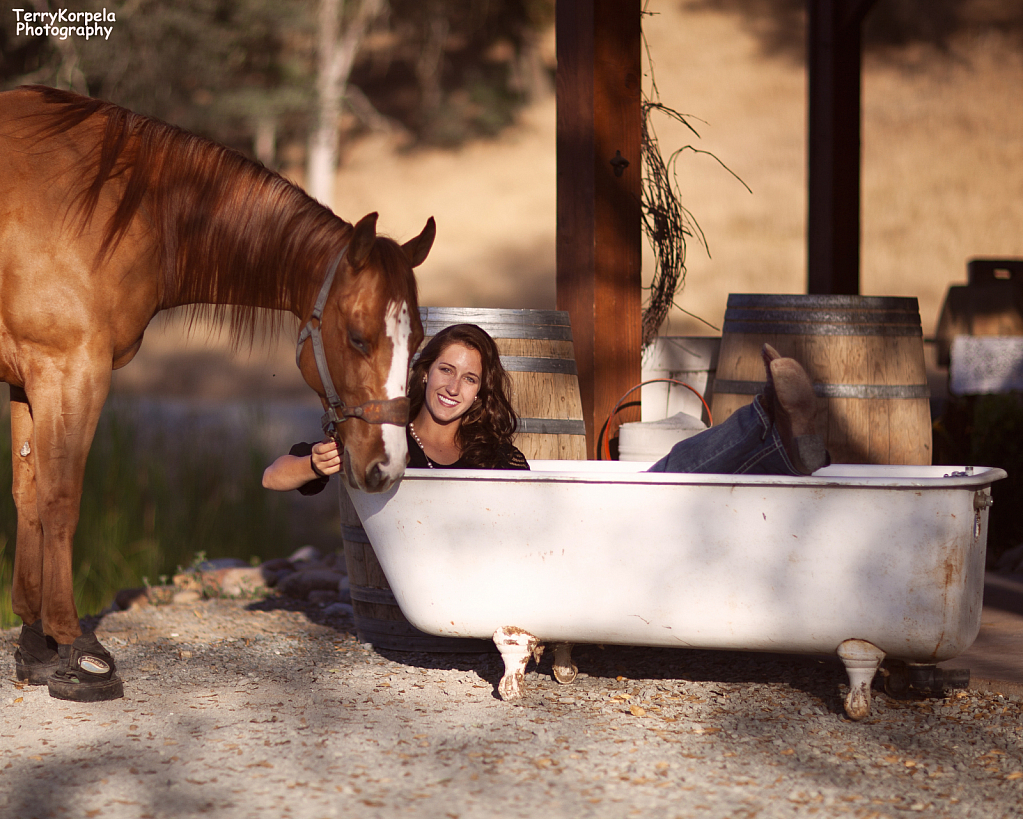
(375, 477)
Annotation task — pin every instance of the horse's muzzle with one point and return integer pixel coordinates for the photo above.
(375, 479)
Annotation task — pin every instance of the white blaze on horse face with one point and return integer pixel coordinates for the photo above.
(399, 330)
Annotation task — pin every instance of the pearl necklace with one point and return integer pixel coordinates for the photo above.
(415, 438)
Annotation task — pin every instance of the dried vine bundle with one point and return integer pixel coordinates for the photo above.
(666, 222)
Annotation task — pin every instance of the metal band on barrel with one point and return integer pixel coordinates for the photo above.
(526, 364)
(529, 364)
(367, 595)
(551, 426)
(550, 325)
(824, 302)
(869, 391)
(355, 534)
(767, 327)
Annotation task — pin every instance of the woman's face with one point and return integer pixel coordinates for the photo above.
(453, 382)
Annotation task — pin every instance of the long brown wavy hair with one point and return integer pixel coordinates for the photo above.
(486, 432)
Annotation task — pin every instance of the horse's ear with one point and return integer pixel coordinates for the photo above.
(363, 237)
(419, 248)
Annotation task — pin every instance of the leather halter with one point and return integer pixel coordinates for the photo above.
(393, 411)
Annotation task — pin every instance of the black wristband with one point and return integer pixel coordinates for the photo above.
(315, 470)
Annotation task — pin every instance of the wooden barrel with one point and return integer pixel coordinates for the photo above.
(537, 351)
(864, 355)
(378, 620)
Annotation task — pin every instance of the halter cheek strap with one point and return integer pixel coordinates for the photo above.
(393, 411)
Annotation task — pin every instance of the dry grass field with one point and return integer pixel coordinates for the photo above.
(942, 182)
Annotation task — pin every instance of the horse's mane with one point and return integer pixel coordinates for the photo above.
(236, 240)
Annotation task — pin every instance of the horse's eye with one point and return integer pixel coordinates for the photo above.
(359, 343)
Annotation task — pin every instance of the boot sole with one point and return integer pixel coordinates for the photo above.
(86, 691)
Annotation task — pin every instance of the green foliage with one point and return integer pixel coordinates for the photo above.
(151, 501)
(987, 430)
(228, 69)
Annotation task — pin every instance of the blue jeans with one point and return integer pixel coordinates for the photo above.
(745, 443)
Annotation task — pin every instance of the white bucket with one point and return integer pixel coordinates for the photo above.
(652, 440)
(691, 359)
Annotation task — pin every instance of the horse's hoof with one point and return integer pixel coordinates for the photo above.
(34, 673)
(112, 689)
(87, 673)
(35, 658)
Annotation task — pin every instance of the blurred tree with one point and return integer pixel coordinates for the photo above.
(470, 63)
(342, 26)
(244, 72)
(231, 69)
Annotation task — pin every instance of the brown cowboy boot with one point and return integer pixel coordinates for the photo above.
(792, 405)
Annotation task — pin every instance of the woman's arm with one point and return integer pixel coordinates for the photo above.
(293, 471)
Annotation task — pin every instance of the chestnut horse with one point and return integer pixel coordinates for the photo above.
(108, 217)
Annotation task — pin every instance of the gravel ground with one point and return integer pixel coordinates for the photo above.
(272, 709)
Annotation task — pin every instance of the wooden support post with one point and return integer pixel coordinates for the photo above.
(833, 220)
(599, 232)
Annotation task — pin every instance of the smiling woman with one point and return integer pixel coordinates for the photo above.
(461, 414)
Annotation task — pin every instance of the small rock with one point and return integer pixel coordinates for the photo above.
(322, 596)
(339, 610)
(160, 595)
(188, 581)
(236, 582)
(186, 596)
(273, 570)
(306, 554)
(301, 583)
(131, 599)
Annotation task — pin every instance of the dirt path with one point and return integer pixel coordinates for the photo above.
(236, 709)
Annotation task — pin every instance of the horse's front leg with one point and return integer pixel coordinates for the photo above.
(28, 559)
(36, 657)
(64, 410)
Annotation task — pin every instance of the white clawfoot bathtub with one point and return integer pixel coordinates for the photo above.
(861, 561)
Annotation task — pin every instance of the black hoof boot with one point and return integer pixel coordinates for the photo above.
(35, 658)
(87, 673)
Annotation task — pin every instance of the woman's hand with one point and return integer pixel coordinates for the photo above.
(292, 471)
(325, 460)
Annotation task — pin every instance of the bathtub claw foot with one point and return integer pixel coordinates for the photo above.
(565, 670)
(861, 660)
(517, 647)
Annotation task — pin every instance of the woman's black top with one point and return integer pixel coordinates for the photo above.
(512, 458)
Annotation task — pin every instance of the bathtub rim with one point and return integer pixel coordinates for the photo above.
(878, 476)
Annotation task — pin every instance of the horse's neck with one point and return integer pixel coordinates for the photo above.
(265, 254)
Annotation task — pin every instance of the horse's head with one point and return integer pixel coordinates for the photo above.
(369, 324)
